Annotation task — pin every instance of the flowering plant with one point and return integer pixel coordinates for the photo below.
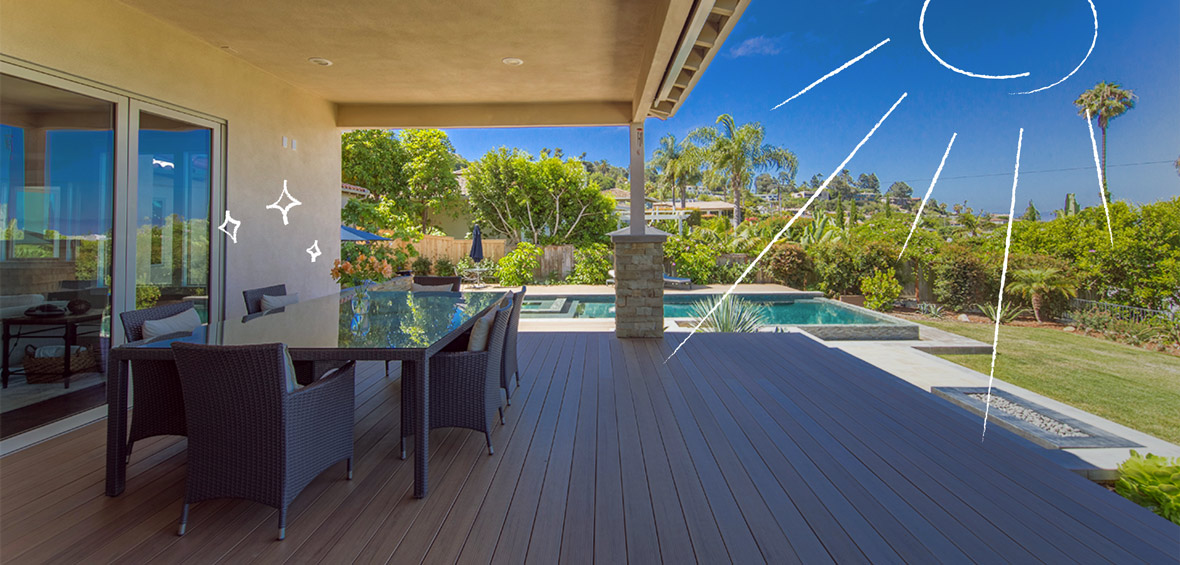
(352, 273)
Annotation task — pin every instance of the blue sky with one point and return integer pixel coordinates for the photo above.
(778, 48)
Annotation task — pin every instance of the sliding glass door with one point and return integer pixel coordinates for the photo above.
(105, 206)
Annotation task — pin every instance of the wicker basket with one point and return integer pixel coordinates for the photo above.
(41, 370)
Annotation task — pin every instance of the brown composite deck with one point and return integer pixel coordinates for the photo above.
(742, 448)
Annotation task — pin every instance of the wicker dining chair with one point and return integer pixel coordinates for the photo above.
(248, 437)
(254, 296)
(155, 385)
(508, 361)
(464, 387)
(436, 281)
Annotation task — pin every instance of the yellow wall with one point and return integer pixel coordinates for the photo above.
(109, 43)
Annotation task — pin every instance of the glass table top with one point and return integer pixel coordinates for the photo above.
(401, 320)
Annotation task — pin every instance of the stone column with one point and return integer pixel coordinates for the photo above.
(639, 283)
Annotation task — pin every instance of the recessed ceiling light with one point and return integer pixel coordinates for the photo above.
(512, 61)
(320, 61)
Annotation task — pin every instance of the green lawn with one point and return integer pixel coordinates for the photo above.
(1137, 388)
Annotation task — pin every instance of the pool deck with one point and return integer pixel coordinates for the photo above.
(743, 448)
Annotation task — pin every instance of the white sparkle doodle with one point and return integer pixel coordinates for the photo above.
(229, 220)
(284, 209)
(314, 250)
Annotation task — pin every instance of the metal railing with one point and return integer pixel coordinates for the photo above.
(1120, 311)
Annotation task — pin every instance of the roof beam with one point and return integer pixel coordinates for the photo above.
(483, 115)
(668, 22)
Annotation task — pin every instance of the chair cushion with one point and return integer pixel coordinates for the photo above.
(292, 383)
(480, 333)
(415, 287)
(186, 321)
(271, 302)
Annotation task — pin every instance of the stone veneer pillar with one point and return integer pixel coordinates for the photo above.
(639, 283)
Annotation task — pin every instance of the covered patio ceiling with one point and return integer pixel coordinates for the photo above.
(442, 63)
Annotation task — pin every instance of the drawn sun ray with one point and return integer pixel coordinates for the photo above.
(292, 202)
(784, 229)
(929, 191)
(314, 250)
(991, 375)
(229, 220)
(1101, 181)
(833, 73)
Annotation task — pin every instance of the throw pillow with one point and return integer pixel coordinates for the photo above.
(480, 333)
(415, 287)
(271, 302)
(292, 383)
(183, 322)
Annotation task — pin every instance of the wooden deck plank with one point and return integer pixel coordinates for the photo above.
(742, 448)
(610, 533)
(956, 450)
(425, 531)
(577, 538)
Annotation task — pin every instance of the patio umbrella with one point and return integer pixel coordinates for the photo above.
(476, 245)
(353, 234)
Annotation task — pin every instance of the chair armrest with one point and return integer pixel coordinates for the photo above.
(345, 372)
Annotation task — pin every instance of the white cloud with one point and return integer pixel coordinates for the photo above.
(759, 45)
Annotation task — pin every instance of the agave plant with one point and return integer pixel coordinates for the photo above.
(732, 315)
(1008, 315)
(931, 310)
(820, 231)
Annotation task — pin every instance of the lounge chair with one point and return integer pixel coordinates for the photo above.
(678, 281)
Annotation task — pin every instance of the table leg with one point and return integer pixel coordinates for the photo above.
(117, 370)
(421, 375)
(4, 374)
(71, 337)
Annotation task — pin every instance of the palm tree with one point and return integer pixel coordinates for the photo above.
(1106, 101)
(738, 152)
(678, 164)
(1036, 285)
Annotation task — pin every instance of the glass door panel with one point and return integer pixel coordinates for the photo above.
(174, 180)
(57, 187)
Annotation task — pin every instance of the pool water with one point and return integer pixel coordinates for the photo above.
(780, 309)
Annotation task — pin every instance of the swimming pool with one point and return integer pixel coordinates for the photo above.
(826, 319)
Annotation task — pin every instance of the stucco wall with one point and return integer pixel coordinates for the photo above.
(110, 43)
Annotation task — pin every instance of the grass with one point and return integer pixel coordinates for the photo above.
(1137, 388)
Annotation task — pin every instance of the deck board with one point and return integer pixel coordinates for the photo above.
(741, 448)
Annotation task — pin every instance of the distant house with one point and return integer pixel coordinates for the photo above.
(805, 194)
(706, 207)
(865, 197)
(350, 191)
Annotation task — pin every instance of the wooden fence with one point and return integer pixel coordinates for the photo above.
(435, 247)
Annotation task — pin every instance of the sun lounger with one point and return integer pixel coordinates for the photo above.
(678, 281)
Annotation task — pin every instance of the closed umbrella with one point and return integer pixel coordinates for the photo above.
(476, 245)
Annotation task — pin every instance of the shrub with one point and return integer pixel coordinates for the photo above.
(790, 265)
(444, 267)
(841, 264)
(516, 268)
(880, 290)
(694, 217)
(732, 315)
(1152, 482)
(362, 268)
(964, 278)
(421, 266)
(691, 258)
(591, 263)
(146, 296)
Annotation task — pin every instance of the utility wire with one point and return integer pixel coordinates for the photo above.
(1086, 168)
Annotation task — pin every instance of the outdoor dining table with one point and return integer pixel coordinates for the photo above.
(402, 326)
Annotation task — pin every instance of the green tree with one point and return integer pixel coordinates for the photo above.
(1035, 285)
(1031, 214)
(900, 189)
(374, 159)
(678, 165)
(738, 152)
(853, 214)
(840, 211)
(1105, 102)
(547, 201)
(868, 183)
(430, 173)
(969, 222)
(786, 180)
(764, 183)
(1071, 207)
